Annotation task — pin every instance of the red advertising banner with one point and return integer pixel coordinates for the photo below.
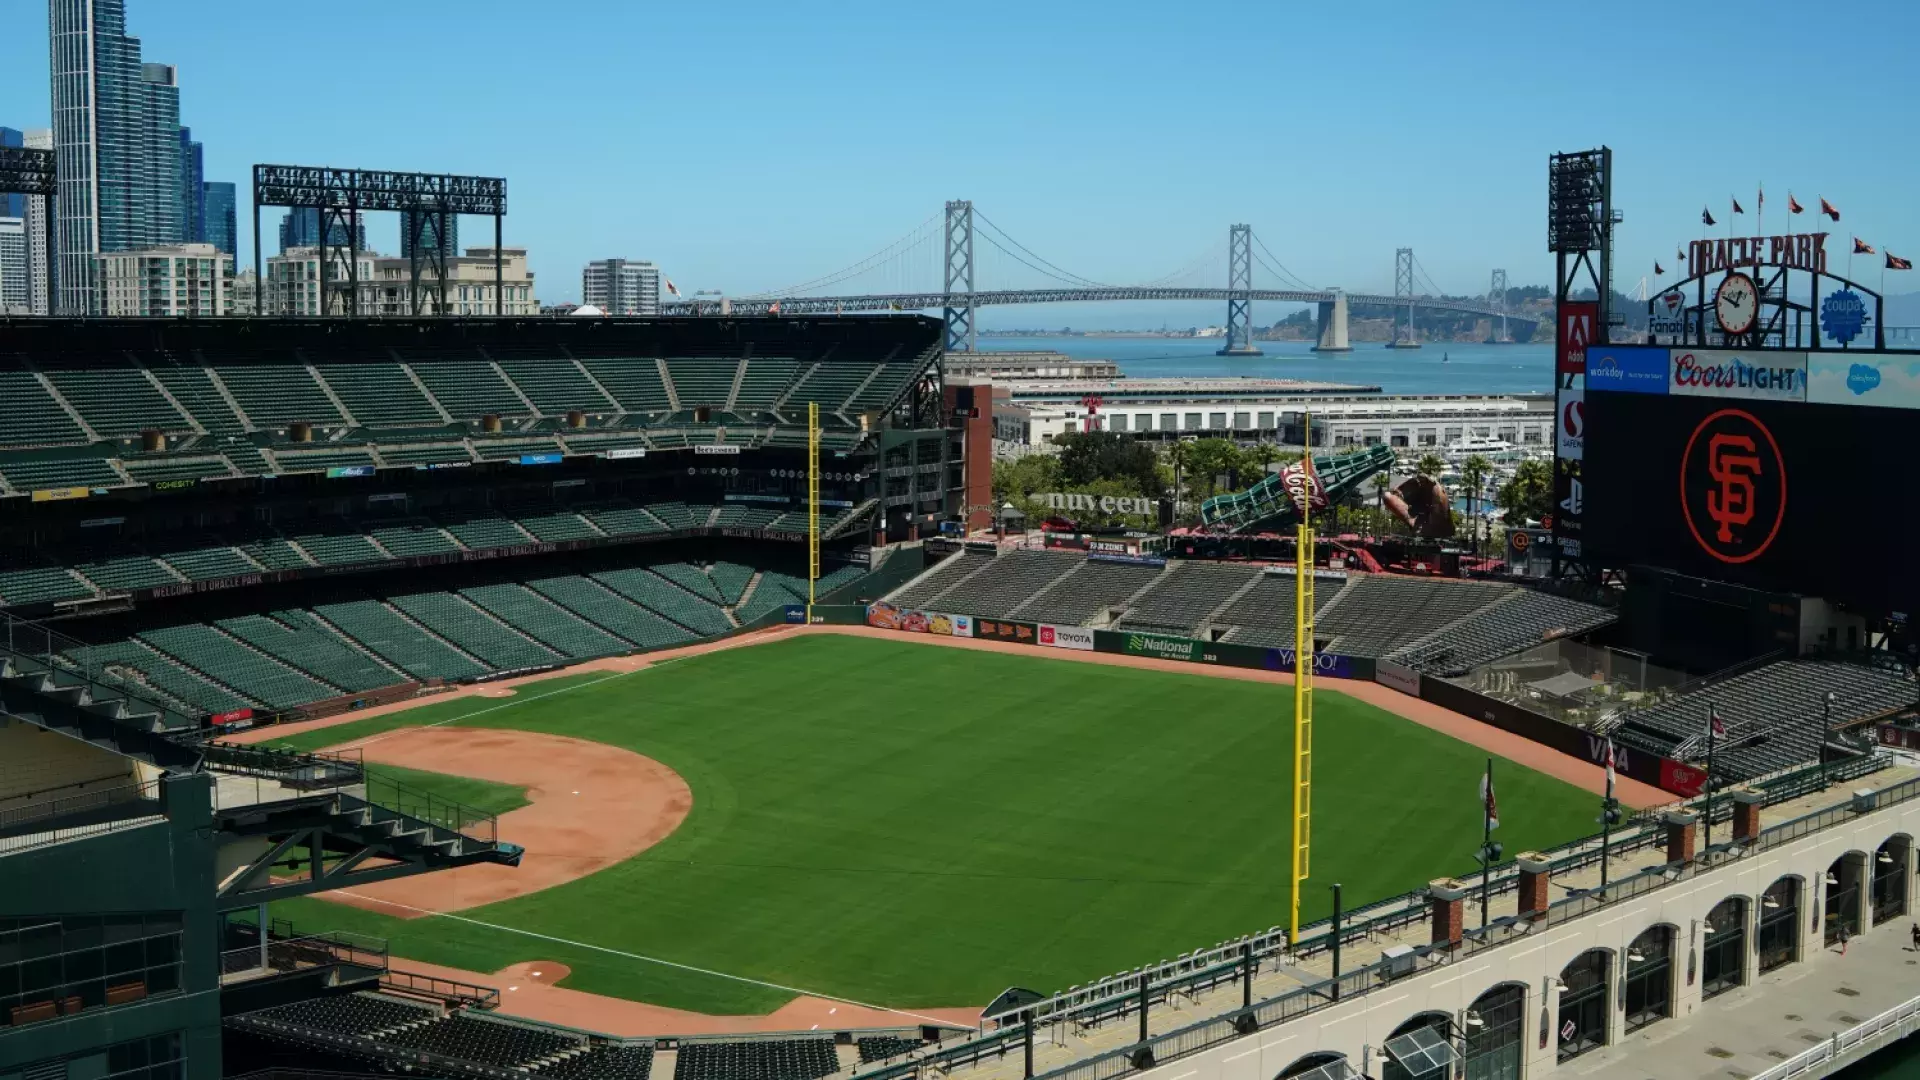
(222, 719)
(1681, 779)
(1577, 326)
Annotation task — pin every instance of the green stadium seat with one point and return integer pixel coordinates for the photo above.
(59, 473)
(508, 449)
(702, 380)
(633, 381)
(298, 639)
(731, 580)
(654, 592)
(116, 573)
(209, 652)
(766, 381)
(274, 553)
(335, 543)
(600, 444)
(151, 470)
(140, 666)
(30, 417)
(611, 611)
(379, 395)
(191, 387)
(299, 461)
(557, 526)
(425, 453)
(482, 529)
(398, 641)
(468, 388)
(537, 617)
(618, 520)
(208, 563)
(275, 395)
(677, 515)
(461, 623)
(414, 536)
(830, 384)
(39, 585)
(117, 401)
(691, 578)
(247, 459)
(554, 383)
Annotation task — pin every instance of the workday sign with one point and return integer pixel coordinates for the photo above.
(1629, 369)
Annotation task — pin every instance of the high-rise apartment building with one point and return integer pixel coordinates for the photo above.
(301, 229)
(178, 279)
(449, 244)
(116, 135)
(14, 299)
(218, 199)
(621, 287)
(39, 292)
(12, 204)
(294, 278)
(193, 195)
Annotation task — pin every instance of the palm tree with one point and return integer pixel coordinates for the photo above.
(1474, 473)
(1431, 465)
(1380, 482)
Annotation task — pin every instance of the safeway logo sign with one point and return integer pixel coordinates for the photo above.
(1578, 322)
(1571, 440)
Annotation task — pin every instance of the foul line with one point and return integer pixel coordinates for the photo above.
(517, 700)
(652, 959)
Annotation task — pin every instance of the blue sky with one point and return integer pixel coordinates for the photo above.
(753, 145)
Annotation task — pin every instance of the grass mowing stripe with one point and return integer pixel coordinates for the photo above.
(924, 827)
(486, 796)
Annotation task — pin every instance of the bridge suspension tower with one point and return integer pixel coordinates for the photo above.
(957, 291)
(1403, 290)
(1497, 333)
(1240, 293)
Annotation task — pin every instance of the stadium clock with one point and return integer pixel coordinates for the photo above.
(1736, 304)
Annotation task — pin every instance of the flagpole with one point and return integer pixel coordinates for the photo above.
(1486, 847)
(1713, 721)
(1606, 820)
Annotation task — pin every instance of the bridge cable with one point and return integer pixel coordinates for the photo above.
(1284, 274)
(919, 235)
(1073, 283)
(1063, 274)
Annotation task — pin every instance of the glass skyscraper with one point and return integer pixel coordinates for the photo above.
(449, 244)
(193, 195)
(116, 140)
(11, 204)
(217, 201)
(301, 228)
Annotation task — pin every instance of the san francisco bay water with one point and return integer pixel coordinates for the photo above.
(1437, 368)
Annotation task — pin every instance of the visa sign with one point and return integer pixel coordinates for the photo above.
(1755, 376)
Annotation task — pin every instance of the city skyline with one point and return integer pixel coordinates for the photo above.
(1109, 140)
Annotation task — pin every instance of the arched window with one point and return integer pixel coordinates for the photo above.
(1840, 915)
(1779, 933)
(1494, 1027)
(1889, 876)
(1319, 1066)
(1583, 1003)
(1649, 977)
(1418, 1049)
(1723, 952)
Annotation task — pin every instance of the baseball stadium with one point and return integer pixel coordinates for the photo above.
(605, 700)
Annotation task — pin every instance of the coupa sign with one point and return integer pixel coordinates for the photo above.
(1104, 504)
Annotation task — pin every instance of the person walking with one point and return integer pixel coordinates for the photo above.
(1916, 937)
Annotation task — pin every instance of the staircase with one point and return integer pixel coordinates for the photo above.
(69, 704)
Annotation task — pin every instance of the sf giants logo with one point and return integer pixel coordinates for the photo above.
(1733, 486)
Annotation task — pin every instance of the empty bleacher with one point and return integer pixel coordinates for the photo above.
(925, 589)
(379, 395)
(398, 641)
(117, 401)
(658, 594)
(622, 519)
(24, 579)
(538, 618)
(1523, 619)
(414, 536)
(611, 611)
(277, 394)
(1090, 591)
(765, 381)
(553, 383)
(65, 472)
(463, 624)
(208, 651)
(1182, 599)
(702, 381)
(1378, 614)
(730, 579)
(144, 667)
(297, 639)
(604, 1062)
(489, 1042)
(556, 525)
(467, 387)
(691, 578)
(881, 1047)
(483, 529)
(1013, 578)
(633, 381)
(118, 572)
(160, 469)
(193, 388)
(209, 562)
(351, 1014)
(335, 543)
(28, 414)
(760, 1059)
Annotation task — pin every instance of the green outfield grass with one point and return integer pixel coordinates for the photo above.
(919, 826)
(485, 796)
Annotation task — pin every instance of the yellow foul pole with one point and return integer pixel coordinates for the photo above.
(1302, 703)
(813, 503)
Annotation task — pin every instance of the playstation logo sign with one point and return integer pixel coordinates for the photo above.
(1575, 500)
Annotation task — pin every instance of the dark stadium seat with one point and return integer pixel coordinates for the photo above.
(1087, 592)
(924, 590)
(488, 1042)
(1377, 614)
(881, 1047)
(1182, 599)
(767, 1059)
(603, 1062)
(1012, 579)
(1521, 620)
(351, 1014)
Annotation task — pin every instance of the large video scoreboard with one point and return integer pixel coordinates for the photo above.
(1786, 471)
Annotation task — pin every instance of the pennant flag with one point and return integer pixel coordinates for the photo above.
(1895, 262)
(1714, 723)
(1658, 269)
(1486, 796)
(1829, 209)
(1706, 216)
(1736, 205)
(670, 287)
(1680, 254)
(1609, 764)
(1861, 247)
(1761, 199)
(1793, 204)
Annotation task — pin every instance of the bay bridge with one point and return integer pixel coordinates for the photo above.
(944, 245)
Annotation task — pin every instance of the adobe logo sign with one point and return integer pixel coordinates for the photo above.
(1733, 486)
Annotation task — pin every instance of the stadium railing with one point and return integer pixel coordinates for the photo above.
(283, 955)
(46, 817)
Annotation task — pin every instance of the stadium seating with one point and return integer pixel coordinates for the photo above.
(213, 561)
(116, 573)
(247, 459)
(414, 536)
(141, 666)
(1378, 614)
(468, 388)
(335, 543)
(655, 592)
(622, 519)
(351, 1014)
(1521, 620)
(193, 388)
(830, 384)
(702, 381)
(1090, 591)
(297, 639)
(538, 618)
(766, 1059)
(925, 589)
(44, 473)
(484, 529)
(274, 395)
(1786, 702)
(677, 515)
(1013, 578)
(730, 579)
(208, 651)
(379, 395)
(555, 384)
(463, 624)
(691, 578)
(158, 469)
(557, 525)
(1184, 597)
(881, 1047)
(1264, 614)
(426, 453)
(117, 401)
(634, 382)
(488, 1042)
(611, 611)
(29, 416)
(22, 582)
(273, 552)
(604, 1062)
(765, 382)
(398, 641)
